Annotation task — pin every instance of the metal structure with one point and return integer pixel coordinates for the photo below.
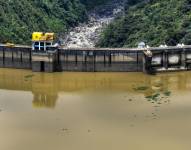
(42, 41)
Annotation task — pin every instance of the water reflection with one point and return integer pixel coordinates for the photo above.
(46, 87)
(44, 100)
(94, 110)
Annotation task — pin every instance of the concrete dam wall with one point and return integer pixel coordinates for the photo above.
(85, 60)
(96, 59)
(100, 60)
(15, 57)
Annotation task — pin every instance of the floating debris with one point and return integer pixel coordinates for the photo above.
(158, 85)
(29, 76)
(167, 93)
(65, 129)
(154, 97)
(141, 88)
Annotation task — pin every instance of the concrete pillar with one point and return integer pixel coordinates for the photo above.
(165, 59)
(1, 56)
(110, 61)
(44, 62)
(183, 59)
(147, 66)
(49, 67)
(36, 66)
(8, 57)
(144, 64)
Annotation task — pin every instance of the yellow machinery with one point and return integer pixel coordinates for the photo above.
(40, 36)
(42, 41)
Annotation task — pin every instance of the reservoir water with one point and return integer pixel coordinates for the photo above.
(94, 111)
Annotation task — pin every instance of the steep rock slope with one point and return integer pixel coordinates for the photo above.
(87, 34)
(19, 18)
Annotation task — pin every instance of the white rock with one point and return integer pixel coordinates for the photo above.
(86, 35)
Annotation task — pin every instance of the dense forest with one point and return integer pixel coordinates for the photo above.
(92, 3)
(152, 21)
(19, 18)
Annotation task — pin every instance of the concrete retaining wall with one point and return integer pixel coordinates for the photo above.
(100, 61)
(19, 58)
(95, 60)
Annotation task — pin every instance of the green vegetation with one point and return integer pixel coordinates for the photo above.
(92, 3)
(167, 93)
(158, 97)
(155, 22)
(19, 18)
(29, 76)
(154, 97)
(141, 88)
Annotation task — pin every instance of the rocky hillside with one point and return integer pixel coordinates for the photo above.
(87, 34)
(19, 18)
(152, 21)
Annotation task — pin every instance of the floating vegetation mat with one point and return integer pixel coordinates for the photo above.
(28, 77)
(141, 88)
(156, 96)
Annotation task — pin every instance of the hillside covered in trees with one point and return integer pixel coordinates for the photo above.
(152, 21)
(19, 18)
(92, 3)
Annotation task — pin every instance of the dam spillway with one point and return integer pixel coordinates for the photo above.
(96, 59)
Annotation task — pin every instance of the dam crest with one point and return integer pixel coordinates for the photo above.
(53, 59)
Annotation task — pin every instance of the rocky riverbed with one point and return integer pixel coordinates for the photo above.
(87, 34)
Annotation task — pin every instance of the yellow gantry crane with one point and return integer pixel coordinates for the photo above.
(42, 41)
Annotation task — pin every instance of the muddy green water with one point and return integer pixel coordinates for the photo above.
(94, 111)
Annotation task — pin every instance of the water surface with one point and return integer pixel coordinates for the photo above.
(91, 111)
